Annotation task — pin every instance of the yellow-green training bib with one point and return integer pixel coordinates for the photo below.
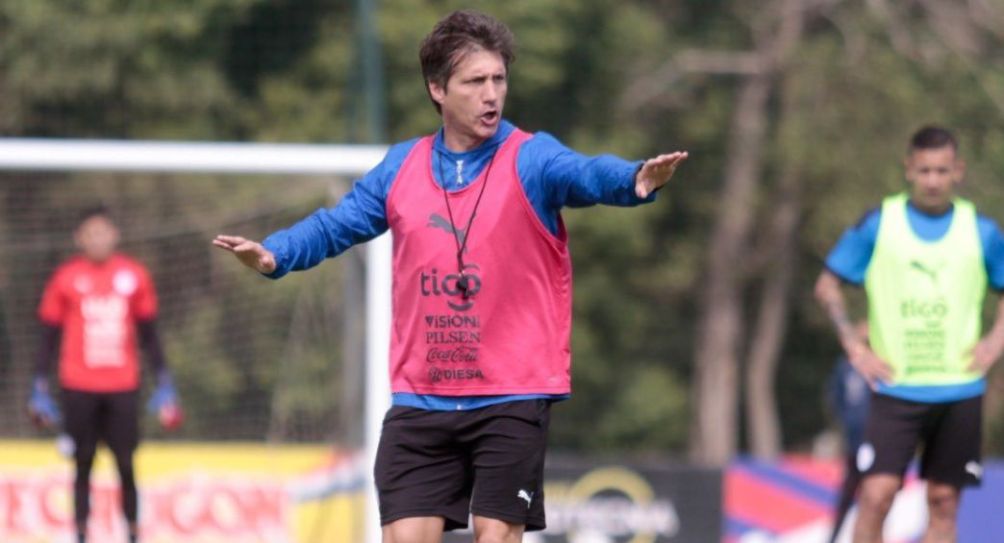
(925, 298)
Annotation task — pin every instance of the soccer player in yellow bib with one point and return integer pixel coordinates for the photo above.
(925, 258)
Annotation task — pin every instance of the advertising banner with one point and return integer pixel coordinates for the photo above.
(204, 493)
(253, 493)
(792, 501)
(601, 502)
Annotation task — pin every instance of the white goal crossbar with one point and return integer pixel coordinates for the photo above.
(68, 155)
(187, 157)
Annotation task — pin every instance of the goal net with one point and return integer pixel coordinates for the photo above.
(253, 360)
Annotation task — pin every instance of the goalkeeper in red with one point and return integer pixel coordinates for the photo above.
(482, 289)
(95, 309)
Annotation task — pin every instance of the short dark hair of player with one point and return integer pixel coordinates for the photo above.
(932, 137)
(462, 32)
(97, 210)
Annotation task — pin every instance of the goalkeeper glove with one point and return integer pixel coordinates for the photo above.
(41, 408)
(164, 403)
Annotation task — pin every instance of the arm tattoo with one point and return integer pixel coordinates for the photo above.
(841, 322)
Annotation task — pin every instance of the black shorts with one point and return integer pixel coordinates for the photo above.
(949, 435)
(488, 462)
(112, 417)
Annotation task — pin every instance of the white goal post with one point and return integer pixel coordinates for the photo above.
(68, 155)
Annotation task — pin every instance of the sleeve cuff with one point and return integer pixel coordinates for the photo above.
(278, 252)
(636, 167)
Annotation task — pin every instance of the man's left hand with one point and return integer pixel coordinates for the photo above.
(655, 172)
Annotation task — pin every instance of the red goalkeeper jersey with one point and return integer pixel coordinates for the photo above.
(97, 306)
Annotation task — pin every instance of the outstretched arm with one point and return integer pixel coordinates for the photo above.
(326, 233)
(859, 354)
(359, 217)
(556, 176)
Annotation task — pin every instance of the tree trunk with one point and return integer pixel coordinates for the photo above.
(714, 428)
(764, 425)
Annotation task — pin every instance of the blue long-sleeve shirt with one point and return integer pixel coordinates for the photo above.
(553, 176)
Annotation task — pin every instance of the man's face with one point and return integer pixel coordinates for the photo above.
(97, 238)
(933, 175)
(472, 99)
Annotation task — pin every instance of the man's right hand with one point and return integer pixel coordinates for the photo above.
(41, 408)
(867, 363)
(251, 253)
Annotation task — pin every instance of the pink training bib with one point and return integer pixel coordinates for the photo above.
(510, 335)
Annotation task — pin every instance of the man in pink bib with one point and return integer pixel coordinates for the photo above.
(482, 290)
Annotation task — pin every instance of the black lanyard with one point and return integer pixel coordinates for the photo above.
(463, 283)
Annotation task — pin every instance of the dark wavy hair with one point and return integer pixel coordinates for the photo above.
(458, 34)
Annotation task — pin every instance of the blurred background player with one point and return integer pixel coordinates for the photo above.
(95, 308)
(848, 393)
(925, 258)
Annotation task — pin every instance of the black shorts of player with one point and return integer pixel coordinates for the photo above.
(488, 462)
(948, 435)
(111, 417)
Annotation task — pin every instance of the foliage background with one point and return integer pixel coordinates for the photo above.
(258, 360)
